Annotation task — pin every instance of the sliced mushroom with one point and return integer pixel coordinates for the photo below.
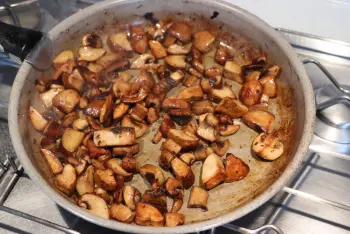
(203, 41)
(224, 119)
(152, 115)
(168, 41)
(107, 109)
(235, 168)
(182, 172)
(120, 110)
(227, 130)
(95, 68)
(47, 97)
(90, 54)
(174, 188)
(231, 107)
(136, 97)
(80, 124)
(53, 129)
(144, 61)
(67, 180)
(105, 179)
(95, 205)
(194, 93)
(254, 75)
(176, 62)
(191, 127)
(213, 72)
(207, 129)
(157, 137)
(185, 139)
(222, 55)
(129, 164)
(63, 58)
(190, 80)
(157, 49)
(115, 164)
(121, 213)
(268, 146)
(181, 31)
(171, 146)
(188, 158)
(233, 71)
(118, 193)
(54, 163)
(42, 84)
(219, 94)
(179, 49)
(175, 103)
(181, 116)
(174, 219)
(148, 215)
(81, 167)
(38, 121)
(201, 152)
(153, 175)
(202, 107)
(94, 108)
(213, 172)
(73, 81)
(259, 120)
(138, 112)
(117, 136)
(131, 196)
(274, 70)
(66, 100)
(104, 195)
(139, 45)
(165, 159)
(109, 59)
(269, 85)
(92, 40)
(139, 128)
(205, 85)
(71, 139)
(123, 64)
(198, 198)
(192, 71)
(119, 42)
(94, 152)
(125, 150)
(158, 200)
(69, 119)
(220, 147)
(85, 182)
(251, 92)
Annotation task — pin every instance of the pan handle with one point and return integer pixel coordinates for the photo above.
(17, 40)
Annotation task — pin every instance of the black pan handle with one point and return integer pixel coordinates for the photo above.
(17, 40)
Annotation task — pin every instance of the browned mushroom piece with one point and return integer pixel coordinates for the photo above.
(205, 85)
(153, 175)
(171, 146)
(198, 198)
(47, 96)
(54, 163)
(175, 103)
(181, 116)
(175, 78)
(166, 125)
(251, 92)
(158, 200)
(104, 195)
(73, 81)
(107, 109)
(236, 168)
(66, 100)
(222, 55)
(185, 139)
(105, 179)
(191, 126)
(157, 137)
(193, 93)
(92, 40)
(213, 72)
(182, 172)
(225, 92)
(227, 130)
(274, 70)
(269, 85)
(201, 152)
(168, 41)
(109, 59)
(130, 164)
(116, 136)
(115, 164)
(53, 129)
(95, 205)
(258, 120)
(178, 49)
(190, 80)
(233, 71)
(94, 108)
(38, 121)
(121, 213)
(157, 49)
(85, 182)
(213, 172)
(131, 196)
(125, 150)
(181, 31)
(42, 84)
(66, 181)
(207, 129)
(231, 107)
(140, 128)
(220, 147)
(203, 41)
(173, 219)
(268, 146)
(148, 215)
(119, 42)
(62, 58)
(174, 188)
(136, 97)
(90, 54)
(120, 110)
(202, 107)
(81, 167)
(254, 75)
(165, 159)
(224, 119)
(152, 115)
(176, 62)
(144, 62)
(138, 39)
(138, 112)
(188, 158)
(80, 124)
(194, 72)
(118, 192)
(71, 139)
(94, 151)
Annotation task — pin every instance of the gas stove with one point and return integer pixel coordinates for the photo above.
(315, 201)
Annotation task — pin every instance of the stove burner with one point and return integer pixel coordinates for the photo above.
(333, 110)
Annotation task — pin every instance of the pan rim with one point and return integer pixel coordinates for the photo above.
(276, 186)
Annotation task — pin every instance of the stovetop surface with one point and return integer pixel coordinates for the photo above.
(325, 171)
